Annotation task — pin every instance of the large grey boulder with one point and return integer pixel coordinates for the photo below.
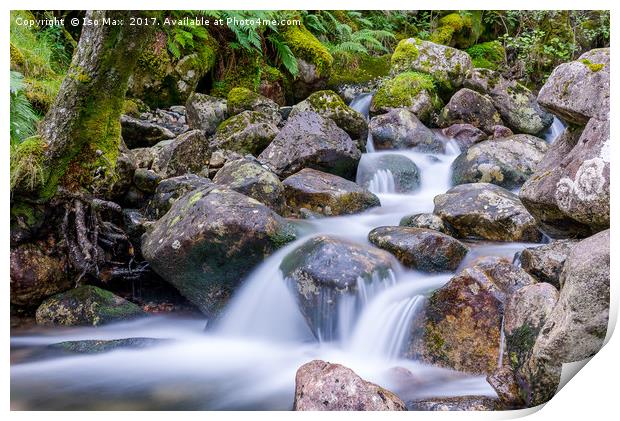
(470, 107)
(486, 211)
(401, 129)
(188, 153)
(579, 90)
(205, 112)
(309, 140)
(169, 190)
(506, 162)
(246, 133)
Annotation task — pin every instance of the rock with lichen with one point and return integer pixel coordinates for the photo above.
(401, 129)
(249, 132)
(470, 107)
(205, 112)
(187, 153)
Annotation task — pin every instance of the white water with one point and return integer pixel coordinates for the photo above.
(248, 358)
(556, 129)
(382, 182)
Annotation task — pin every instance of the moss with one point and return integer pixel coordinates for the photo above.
(405, 53)
(306, 46)
(41, 93)
(402, 90)
(458, 29)
(27, 164)
(241, 99)
(594, 67)
(155, 62)
(366, 68)
(245, 74)
(130, 107)
(487, 55)
(17, 58)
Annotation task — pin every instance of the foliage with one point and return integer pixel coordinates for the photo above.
(487, 55)
(27, 171)
(23, 118)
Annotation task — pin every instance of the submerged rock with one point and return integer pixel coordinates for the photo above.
(93, 346)
(457, 403)
(249, 177)
(326, 194)
(308, 140)
(515, 103)
(247, 133)
(465, 135)
(579, 90)
(420, 248)
(402, 170)
(401, 129)
(86, 306)
(470, 107)
(209, 240)
(545, 262)
(325, 270)
(486, 211)
(205, 112)
(322, 386)
(506, 162)
(427, 220)
(140, 133)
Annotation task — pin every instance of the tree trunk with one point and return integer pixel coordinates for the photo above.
(82, 128)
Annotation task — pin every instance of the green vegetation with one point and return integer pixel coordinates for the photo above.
(402, 90)
(487, 55)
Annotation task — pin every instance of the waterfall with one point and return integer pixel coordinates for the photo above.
(362, 104)
(502, 345)
(555, 130)
(382, 182)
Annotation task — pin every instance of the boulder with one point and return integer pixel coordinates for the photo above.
(308, 140)
(326, 270)
(401, 129)
(579, 90)
(171, 189)
(322, 386)
(500, 132)
(205, 112)
(329, 105)
(146, 180)
(470, 107)
(515, 103)
(427, 220)
(505, 384)
(505, 162)
(398, 168)
(242, 99)
(448, 66)
(36, 274)
(188, 153)
(465, 135)
(247, 176)
(507, 277)
(486, 211)
(139, 133)
(247, 133)
(95, 346)
(412, 91)
(569, 195)
(86, 306)
(326, 194)
(545, 262)
(456, 403)
(420, 248)
(209, 240)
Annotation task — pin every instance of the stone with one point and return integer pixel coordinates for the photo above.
(146, 180)
(399, 168)
(171, 189)
(247, 133)
(420, 248)
(465, 135)
(470, 107)
(205, 112)
(486, 211)
(427, 220)
(326, 194)
(401, 129)
(139, 133)
(188, 153)
(242, 99)
(546, 262)
(457, 403)
(322, 386)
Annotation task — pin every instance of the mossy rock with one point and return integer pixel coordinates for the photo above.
(487, 55)
(242, 99)
(28, 173)
(307, 47)
(365, 69)
(249, 132)
(86, 306)
(460, 30)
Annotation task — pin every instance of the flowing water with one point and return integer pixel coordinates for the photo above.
(248, 358)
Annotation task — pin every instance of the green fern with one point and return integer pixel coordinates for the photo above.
(22, 117)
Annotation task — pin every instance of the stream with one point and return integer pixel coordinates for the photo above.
(247, 359)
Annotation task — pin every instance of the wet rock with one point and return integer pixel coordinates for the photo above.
(579, 90)
(205, 112)
(92, 346)
(326, 194)
(515, 103)
(427, 220)
(577, 326)
(325, 270)
(570, 196)
(402, 170)
(123, 174)
(470, 107)
(448, 66)
(329, 105)
(420, 248)
(143, 157)
(545, 262)
(86, 306)
(242, 99)
(36, 274)
(401, 129)
(170, 190)
(486, 211)
(458, 403)
(500, 132)
(172, 118)
(146, 180)
(506, 162)
(507, 277)
(308, 140)
(249, 177)
(247, 133)
(135, 224)
(465, 135)
(209, 240)
(504, 382)
(138, 133)
(188, 153)
(322, 386)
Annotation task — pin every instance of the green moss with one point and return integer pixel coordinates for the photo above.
(405, 53)
(27, 169)
(487, 55)
(155, 62)
(306, 46)
(245, 74)
(458, 29)
(41, 93)
(594, 67)
(402, 90)
(365, 69)
(241, 99)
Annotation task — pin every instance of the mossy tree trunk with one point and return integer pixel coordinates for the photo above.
(82, 128)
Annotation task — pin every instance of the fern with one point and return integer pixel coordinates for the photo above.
(284, 54)
(22, 117)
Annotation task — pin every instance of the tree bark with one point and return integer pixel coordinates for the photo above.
(82, 128)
